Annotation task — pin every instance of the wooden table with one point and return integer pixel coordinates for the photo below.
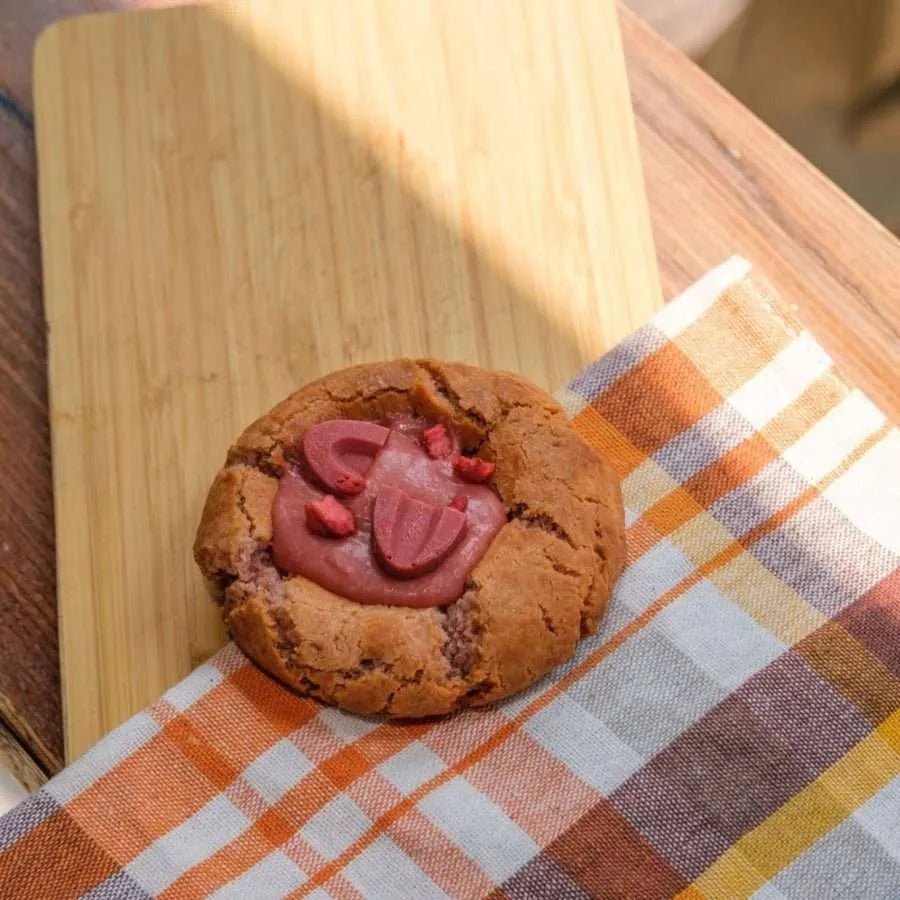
(718, 181)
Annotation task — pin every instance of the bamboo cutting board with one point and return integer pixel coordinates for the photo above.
(237, 199)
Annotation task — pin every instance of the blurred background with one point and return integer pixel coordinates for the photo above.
(825, 74)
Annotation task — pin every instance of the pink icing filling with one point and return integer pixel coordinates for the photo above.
(420, 529)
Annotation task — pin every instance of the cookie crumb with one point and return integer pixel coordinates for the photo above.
(437, 442)
(330, 518)
(461, 646)
(473, 468)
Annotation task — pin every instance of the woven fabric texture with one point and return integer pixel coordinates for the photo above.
(732, 730)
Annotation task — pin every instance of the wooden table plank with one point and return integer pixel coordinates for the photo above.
(19, 774)
(29, 667)
(718, 182)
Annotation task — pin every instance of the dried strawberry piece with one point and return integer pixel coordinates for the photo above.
(348, 483)
(460, 502)
(330, 518)
(473, 468)
(437, 442)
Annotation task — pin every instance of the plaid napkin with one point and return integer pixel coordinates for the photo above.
(733, 730)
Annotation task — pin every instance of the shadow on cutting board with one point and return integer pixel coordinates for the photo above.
(230, 220)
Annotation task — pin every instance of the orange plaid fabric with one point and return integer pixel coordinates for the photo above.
(732, 730)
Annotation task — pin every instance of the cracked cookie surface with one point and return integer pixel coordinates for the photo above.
(542, 585)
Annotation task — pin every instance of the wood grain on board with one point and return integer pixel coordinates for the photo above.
(717, 181)
(235, 200)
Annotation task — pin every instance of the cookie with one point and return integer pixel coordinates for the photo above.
(403, 466)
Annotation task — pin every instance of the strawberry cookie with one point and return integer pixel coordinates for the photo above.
(411, 537)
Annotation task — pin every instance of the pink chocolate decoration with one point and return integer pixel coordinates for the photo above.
(339, 452)
(350, 566)
(413, 537)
